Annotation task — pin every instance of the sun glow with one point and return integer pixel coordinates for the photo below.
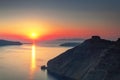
(34, 35)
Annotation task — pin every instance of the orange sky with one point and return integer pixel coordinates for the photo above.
(22, 29)
(46, 33)
(52, 20)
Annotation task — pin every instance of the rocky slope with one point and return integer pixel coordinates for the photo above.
(108, 67)
(94, 59)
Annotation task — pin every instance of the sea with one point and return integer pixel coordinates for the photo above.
(24, 62)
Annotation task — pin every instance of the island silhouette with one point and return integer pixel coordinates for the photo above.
(7, 43)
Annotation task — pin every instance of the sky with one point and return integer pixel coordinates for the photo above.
(52, 19)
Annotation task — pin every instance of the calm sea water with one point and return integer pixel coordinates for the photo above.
(23, 62)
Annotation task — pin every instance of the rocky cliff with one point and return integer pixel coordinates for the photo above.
(108, 65)
(94, 59)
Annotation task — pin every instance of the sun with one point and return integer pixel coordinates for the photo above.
(34, 35)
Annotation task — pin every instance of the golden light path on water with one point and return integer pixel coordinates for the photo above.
(33, 62)
(33, 65)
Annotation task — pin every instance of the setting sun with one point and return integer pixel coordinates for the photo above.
(34, 35)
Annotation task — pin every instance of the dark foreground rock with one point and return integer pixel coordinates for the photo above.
(43, 67)
(108, 66)
(6, 43)
(94, 59)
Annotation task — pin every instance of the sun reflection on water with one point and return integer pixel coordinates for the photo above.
(33, 65)
(33, 62)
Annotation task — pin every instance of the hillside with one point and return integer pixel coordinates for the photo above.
(84, 61)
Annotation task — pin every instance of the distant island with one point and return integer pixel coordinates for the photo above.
(94, 59)
(70, 44)
(6, 43)
(70, 39)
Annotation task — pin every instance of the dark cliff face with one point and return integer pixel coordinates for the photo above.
(76, 62)
(5, 43)
(108, 66)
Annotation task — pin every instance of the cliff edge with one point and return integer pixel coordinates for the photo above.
(79, 62)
